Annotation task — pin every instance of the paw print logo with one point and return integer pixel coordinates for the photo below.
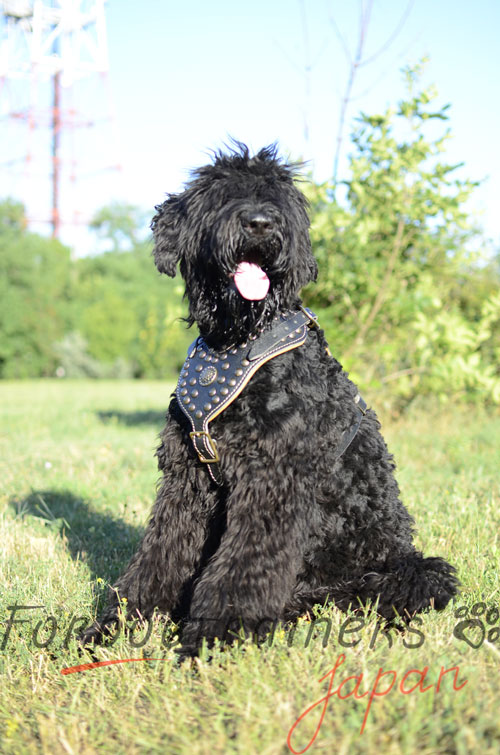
(478, 624)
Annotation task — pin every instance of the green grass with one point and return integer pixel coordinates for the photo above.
(78, 478)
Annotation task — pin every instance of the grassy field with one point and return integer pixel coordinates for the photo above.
(78, 477)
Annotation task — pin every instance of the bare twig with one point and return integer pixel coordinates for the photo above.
(392, 36)
(307, 71)
(352, 308)
(288, 57)
(393, 63)
(341, 39)
(402, 373)
(357, 62)
(364, 19)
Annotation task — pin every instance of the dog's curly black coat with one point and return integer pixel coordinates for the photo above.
(291, 526)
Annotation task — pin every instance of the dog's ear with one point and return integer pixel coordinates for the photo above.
(166, 226)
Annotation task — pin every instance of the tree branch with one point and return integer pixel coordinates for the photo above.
(393, 36)
(401, 373)
(382, 292)
(307, 72)
(354, 65)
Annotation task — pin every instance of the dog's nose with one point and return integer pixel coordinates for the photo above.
(257, 223)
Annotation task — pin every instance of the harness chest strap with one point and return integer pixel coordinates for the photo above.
(210, 380)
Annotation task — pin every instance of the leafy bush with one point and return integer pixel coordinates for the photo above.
(397, 287)
(74, 361)
(34, 296)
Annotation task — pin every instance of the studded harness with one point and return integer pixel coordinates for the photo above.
(211, 380)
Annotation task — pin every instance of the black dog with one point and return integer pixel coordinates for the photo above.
(278, 491)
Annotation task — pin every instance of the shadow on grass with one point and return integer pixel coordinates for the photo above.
(132, 419)
(104, 543)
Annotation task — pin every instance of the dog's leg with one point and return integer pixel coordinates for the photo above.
(251, 576)
(174, 543)
(409, 584)
(399, 587)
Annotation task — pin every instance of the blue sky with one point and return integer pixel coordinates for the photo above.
(184, 76)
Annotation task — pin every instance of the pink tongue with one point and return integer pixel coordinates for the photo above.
(251, 281)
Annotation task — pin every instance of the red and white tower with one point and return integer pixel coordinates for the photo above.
(53, 89)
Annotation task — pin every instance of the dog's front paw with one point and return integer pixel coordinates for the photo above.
(96, 634)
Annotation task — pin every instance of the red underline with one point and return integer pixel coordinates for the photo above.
(97, 664)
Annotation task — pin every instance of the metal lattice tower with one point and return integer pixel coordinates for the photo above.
(46, 47)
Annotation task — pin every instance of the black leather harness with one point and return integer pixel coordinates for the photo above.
(211, 380)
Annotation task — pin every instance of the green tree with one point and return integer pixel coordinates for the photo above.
(123, 307)
(34, 296)
(395, 262)
(120, 225)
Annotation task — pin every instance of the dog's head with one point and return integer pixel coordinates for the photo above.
(240, 232)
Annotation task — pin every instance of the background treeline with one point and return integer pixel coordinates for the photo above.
(107, 315)
(408, 295)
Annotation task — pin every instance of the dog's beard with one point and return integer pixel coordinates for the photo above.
(224, 316)
(242, 318)
(225, 319)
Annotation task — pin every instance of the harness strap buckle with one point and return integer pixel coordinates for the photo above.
(312, 317)
(209, 444)
(313, 323)
(361, 404)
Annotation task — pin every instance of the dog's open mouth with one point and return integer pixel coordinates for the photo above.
(251, 281)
